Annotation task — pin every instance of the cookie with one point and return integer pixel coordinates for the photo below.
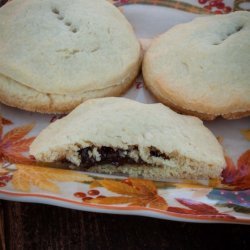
(59, 53)
(117, 135)
(202, 67)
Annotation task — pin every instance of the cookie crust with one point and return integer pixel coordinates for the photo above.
(149, 134)
(75, 51)
(205, 75)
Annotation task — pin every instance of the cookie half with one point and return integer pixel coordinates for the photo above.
(118, 135)
(59, 53)
(202, 67)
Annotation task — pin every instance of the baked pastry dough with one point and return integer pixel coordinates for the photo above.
(56, 54)
(202, 67)
(118, 135)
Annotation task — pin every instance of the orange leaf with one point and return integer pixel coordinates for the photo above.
(17, 133)
(22, 145)
(12, 145)
(137, 192)
(145, 187)
(158, 203)
(113, 200)
(16, 158)
(139, 203)
(119, 188)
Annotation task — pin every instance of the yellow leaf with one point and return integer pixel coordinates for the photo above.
(21, 182)
(27, 175)
(95, 184)
(214, 182)
(246, 134)
(189, 185)
(44, 184)
(63, 175)
(113, 200)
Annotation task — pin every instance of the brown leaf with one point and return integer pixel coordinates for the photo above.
(6, 121)
(181, 210)
(185, 211)
(3, 121)
(17, 134)
(200, 207)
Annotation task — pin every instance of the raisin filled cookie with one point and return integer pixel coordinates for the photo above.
(202, 67)
(56, 54)
(118, 135)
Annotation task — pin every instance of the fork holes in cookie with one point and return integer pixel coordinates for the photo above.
(60, 17)
(55, 11)
(74, 30)
(67, 23)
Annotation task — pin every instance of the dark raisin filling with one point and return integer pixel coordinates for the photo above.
(116, 157)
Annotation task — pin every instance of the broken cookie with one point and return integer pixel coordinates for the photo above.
(118, 135)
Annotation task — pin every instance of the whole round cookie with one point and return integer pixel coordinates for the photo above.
(56, 54)
(202, 67)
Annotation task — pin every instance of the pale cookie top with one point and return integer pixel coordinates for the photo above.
(120, 123)
(204, 65)
(62, 46)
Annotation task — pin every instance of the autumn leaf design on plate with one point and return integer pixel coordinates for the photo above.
(199, 209)
(6, 121)
(13, 144)
(238, 177)
(27, 175)
(134, 192)
(236, 181)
